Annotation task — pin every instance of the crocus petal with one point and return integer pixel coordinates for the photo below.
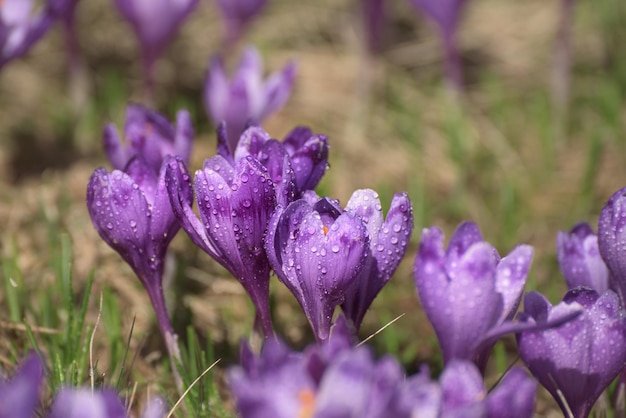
(118, 210)
(19, 396)
(82, 403)
(514, 396)
(156, 408)
(277, 90)
(113, 147)
(183, 137)
(511, 275)
(580, 260)
(463, 390)
(466, 235)
(611, 236)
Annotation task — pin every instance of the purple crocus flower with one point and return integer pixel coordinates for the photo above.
(611, 238)
(237, 15)
(347, 383)
(580, 260)
(21, 26)
(19, 397)
(303, 169)
(446, 15)
(388, 242)
(318, 252)
(131, 211)
(246, 96)
(83, 403)
(235, 204)
(453, 285)
(155, 22)
(149, 135)
(577, 361)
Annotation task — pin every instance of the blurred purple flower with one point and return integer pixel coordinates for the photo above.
(19, 396)
(83, 403)
(611, 239)
(155, 22)
(237, 15)
(149, 135)
(303, 169)
(235, 204)
(21, 25)
(446, 15)
(328, 380)
(577, 361)
(452, 284)
(318, 252)
(388, 242)
(246, 96)
(580, 260)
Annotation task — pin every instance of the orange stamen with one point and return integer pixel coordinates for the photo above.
(325, 230)
(307, 400)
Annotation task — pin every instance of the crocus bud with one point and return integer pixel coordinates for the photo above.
(317, 251)
(373, 20)
(303, 169)
(237, 15)
(578, 360)
(20, 27)
(149, 135)
(246, 96)
(388, 242)
(469, 293)
(612, 239)
(19, 396)
(155, 23)
(235, 204)
(580, 260)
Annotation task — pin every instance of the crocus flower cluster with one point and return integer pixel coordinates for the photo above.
(20, 398)
(336, 379)
(246, 97)
(130, 206)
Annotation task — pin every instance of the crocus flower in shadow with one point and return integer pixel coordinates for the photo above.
(246, 96)
(445, 14)
(470, 294)
(318, 252)
(155, 23)
(388, 242)
(580, 260)
(296, 164)
(20, 396)
(237, 15)
(235, 204)
(331, 379)
(149, 135)
(21, 26)
(577, 361)
(611, 239)
(373, 21)
(131, 211)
